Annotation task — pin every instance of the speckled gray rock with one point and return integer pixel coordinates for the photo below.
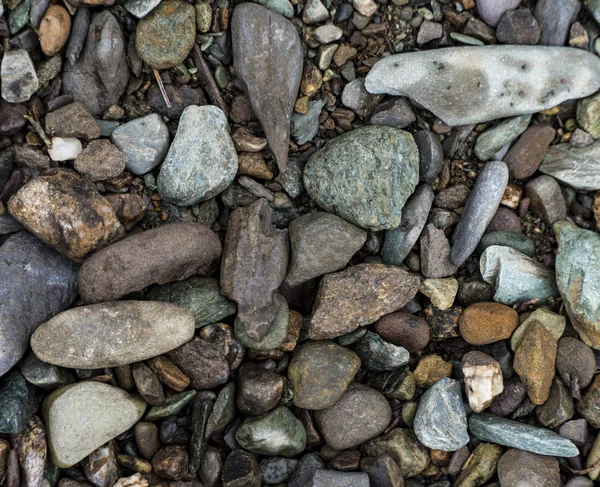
(395, 112)
(267, 57)
(431, 155)
(17, 72)
(488, 427)
(336, 478)
(378, 355)
(140, 8)
(38, 283)
(201, 161)
(144, 141)
(358, 99)
(547, 200)
(306, 126)
(478, 77)
(404, 448)
(491, 11)
(307, 466)
(321, 243)
(481, 206)
(492, 140)
(275, 470)
(555, 18)
(365, 176)
(398, 242)
(579, 167)
(520, 468)
(441, 422)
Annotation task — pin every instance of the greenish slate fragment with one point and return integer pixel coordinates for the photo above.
(107, 127)
(18, 403)
(223, 411)
(516, 241)
(172, 405)
(465, 39)
(378, 355)
(306, 126)
(492, 140)
(282, 7)
(201, 295)
(278, 329)
(487, 427)
(45, 375)
(18, 17)
(352, 337)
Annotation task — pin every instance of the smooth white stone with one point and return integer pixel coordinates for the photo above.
(64, 149)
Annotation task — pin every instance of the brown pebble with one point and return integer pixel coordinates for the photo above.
(13, 471)
(253, 164)
(171, 462)
(54, 29)
(452, 198)
(346, 461)
(526, 155)
(147, 384)
(483, 323)
(129, 207)
(430, 369)
(405, 330)
(294, 327)
(169, 374)
(259, 389)
(146, 438)
(100, 160)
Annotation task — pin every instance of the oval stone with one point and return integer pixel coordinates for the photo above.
(112, 334)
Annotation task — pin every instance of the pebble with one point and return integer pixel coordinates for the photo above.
(514, 434)
(483, 379)
(577, 271)
(359, 296)
(18, 403)
(382, 471)
(321, 243)
(11, 118)
(337, 478)
(441, 422)
(320, 372)
(172, 405)
(268, 60)
(480, 466)
(100, 467)
(491, 11)
(327, 33)
(480, 208)
(498, 65)
(492, 140)
(103, 277)
(73, 120)
(547, 201)
(574, 166)
(575, 363)
(431, 155)
(358, 99)
(558, 408)
(483, 323)
(19, 80)
(240, 470)
(587, 115)
(81, 417)
(38, 283)
(554, 323)
(26, 155)
(100, 160)
(442, 292)
(430, 369)
(435, 253)
(511, 397)
(429, 31)
(587, 406)
(575, 430)
(64, 149)
(129, 207)
(44, 375)
(516, 241)
(452, 198)
(378, 355)
(306, 126)
(170, 462)
(518, 27)
(555, 18)
(274, 470)
(365, 7)
(203, 362)
(395, 112)
(403, 446)
(146, 438)
(30, 445)
(526, 155)
(259, 389)
(144, 141)
(147, 384)
(223, 411)
(86, 77)
(404, 330)
(314, 12)
(211, 467)
(517, 468)
(275, 336)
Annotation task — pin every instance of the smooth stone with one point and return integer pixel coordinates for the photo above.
(587, 115)
(554, 323)
(404, 448)
(321, 243)
(127, 266)
(359, 296)
(19, 79)
(146, 439)
(140, 8)
(210, 470)
(83, 416)
(358, 99)
(11, 121)
(274, 470)
(441, 422)
(275, 336)
(365, 176)
(526, 155)
(307, 466)
(480, 466)
(100, 160)
(99, 77)
(516, 468)
(484, 323)
(306, 126)
(65, 149)
(282, 7)
(555, 17)
(396, 112)
(378, 355)
(492, 140)
(483, 379)
(277, 433)
(511, 397)
(558, 408)
(259, 389)
(578, 167)
(241, 470)
(268, 60)
(36, 282)
(223, 411)
(481, 206)
(382, 471)
(575, 363)
(342, 479)
(577, 274)
(491, 11)
(542, 84)
(314, 12)
(431, 155)
(18, 403)
(45, 375)
(399, 242)
(100, 467)
(147, 384)
(31, 448)
(405, 330)
(487, 427)
(516, 241)
(171, 462)
(327, 33)
(144, 141)
(516, 278)
(201, 295)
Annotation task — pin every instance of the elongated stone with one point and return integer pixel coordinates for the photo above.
(516, 241)
(112, 334)
(267, 56)
(514, 434)
(18, 403)
(579, 167)
(30, 445)
(492, 140)
(466, 85)
(481, 206)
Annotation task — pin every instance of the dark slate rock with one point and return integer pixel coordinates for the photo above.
(11, 117)
(276, 470)
(378, 355)
(240, 470)
(508, 239)
(180, 98)
(555, 18)
(558, 408)
(510, 398)
(396, 113)
(18, 403)
(307, 466)
(45, 375)
(431, 155)
(7, 159)
(518, 27)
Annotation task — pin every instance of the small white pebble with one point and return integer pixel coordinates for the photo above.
(64, 149)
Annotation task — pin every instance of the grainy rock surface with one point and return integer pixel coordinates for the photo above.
(574, 166)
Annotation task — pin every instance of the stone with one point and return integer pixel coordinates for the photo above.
(577, 265)
(267, 57)
(555, 18)
(19, 80)
(18, 403)
(517, 467)
(274, 470)
(326, 34)
(558, 408)
(64, 149)
(462, 104)
(134, 480)
(518, 27)
(321, 243)
(483, 323)
(337, 478)
(579, 482)
(554, 323)
(493, 140)
(587, 115)
(259, 390)
(382, 471)
(358, 99)
(431, 369)
(378, 355)
(73, 120)
(30, 445)
(431, 155)
(45, 375)
(365, 7)
(519, 242)
(203, 362)
(100, 467)
(83, 416)
(320, 372)
(435, 253)
(146, 439)
(201, 295)
(403, 447)
(147, 384)
(314, 12)
(240, 470)
(441, 422)
(511, 397)
(359, 296)
(103, 277)
(575, 363)
(276, 433)
(516, 278)
(255, 259)
(574, 166)
(526, 155)
(36, 282)
(144, 141)
(483, 379)
(99, 76)
(384, 174)
(275, 336)
(223, 411)
(129, 207)
(180, 97)
(307, 466)
(170, 462)
(491, 11)
(395, 112)
(404, 330)
(479, 210)
(575, 430)
(398, 242)
(306, 126)
(140, 8)
(100, 160)
(429, 31)
(547, 201)
(11, 118)
(441, 291)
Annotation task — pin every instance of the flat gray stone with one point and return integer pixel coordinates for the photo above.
(378, 355)
(579, 167)
(324, 477)
(492, 140)
(358, 99)
(306, 126)
(19, 79)
(140, 8)
(555, 18)
(466, 85)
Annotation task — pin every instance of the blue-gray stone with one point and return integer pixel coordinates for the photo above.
(18, 403)
(307, 466)
(282, 7)
(441, 421)
(336, 478)
(579, 167)
(555, 18)
(516, 241)
(45, 375)
(378, 355)
(305, 126)
(275, 470)
(491, 141)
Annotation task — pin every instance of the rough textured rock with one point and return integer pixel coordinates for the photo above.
(483, 379)
(255, 259)
(404, 448)
(483, 323)
(555, 18)
(100, 160)
(129, 266)
(19, 80)
(588, 405)
(259, 390)
(378, 355)
(578, 167)
(31, 448)
(517, 468)
(480, 465)
(518, 27)
(435, 253)
(558, 408)
(275, 336)
(359, 100)
(267, 56)
(365, 176)
(425, 77)
(240, 470)
(492, 140)
(359, 296)
(431, 155)
(491, 11)
(430, 369)
(335, 477)
(66, 211)
(203, 362)
(575, 363)
(547, 200)
(554, 323)
(38, 283)
(18, 403)
(73, 120)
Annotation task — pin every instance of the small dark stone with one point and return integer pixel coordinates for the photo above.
(575, 364)
(11, 117)
(474, 290)
(275, 470)
(259, 389)
(576, 431)
(396, 112)
(170, 462)
(73, 120)
(173, 431)
(431, 155)
(558, 408)
(180, 98)
(18, 403)
(147, 384)
(518, 27)
(6, 167)
(383, 471)
(146, 437)
(100, 467)
(241, 470)
(452, 198)
(203, 362)
(201, 411)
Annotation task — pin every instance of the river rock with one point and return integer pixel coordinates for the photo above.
(140, 8)
(306, 126)
(587, 115)
(435, 253)
(36, 283)
(441, 422)
(365, 176)
(18, 403)
(337, 478)
(404, 448)
(259, 389)
(359, 296)
(321, 243)
(378, 355)
(358, 99)
(83, 416)
(574, 363)
(405, 330)
(558, 408)
(203, 362)
(45, 375)
(481, 206)
(509, 80)
(99, 77)
(484, 323)
(579, 167)
(555, 17)
(19, 80)
(480, 465)
(554, 323)
(100, 160)
(275, 336)
(255, 259)
(240, 470)
(526, 155)
(431, 155)
(547, 200)
(516, 241)
(30, 445)
(73, 120)
(491, 11)
(483, 379)
(517, 467)
(511, 397)
(492, 140)
(267, 57)
(127, 266)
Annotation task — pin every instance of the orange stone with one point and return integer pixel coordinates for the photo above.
(483, 323)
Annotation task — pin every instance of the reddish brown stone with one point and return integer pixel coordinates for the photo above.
(405, 330)
(526, 155)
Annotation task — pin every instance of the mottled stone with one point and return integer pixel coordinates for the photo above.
(18, 403)
(526, 155)
(492, 140)
(30, 445)
(511, 397)
(337, 478)
(435, 253)
(358, 99)
(575, 363)
(519, 242)
(259, 389)
(100, 467)
(553, 322)
(19, 80)
(441, 292)
(491, 11)
(587, 115)
(518, 27)
(396, 112)
(100, 160)
(378, 355)
(170, 462)
(558, 408)
(73, 120)
(404, 448)
(589, 405)
(483, 323)
(240, 470)
(480, 466)
(483, 379)
(430, 369)
(517, 468)
(275, 336)
(578, 167)
(203, 362)
(45, 375)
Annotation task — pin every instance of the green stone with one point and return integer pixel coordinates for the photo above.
(203, 16)
(221, 77)
(588, 115)
(19, 16)
(492, 140)
(465, 39)
(278, 329)
(481, 465)
(172, 405)
(282, 7)
(18, 402)
(404, 448)
(516, 241)
(223, 411)
(44, 375)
